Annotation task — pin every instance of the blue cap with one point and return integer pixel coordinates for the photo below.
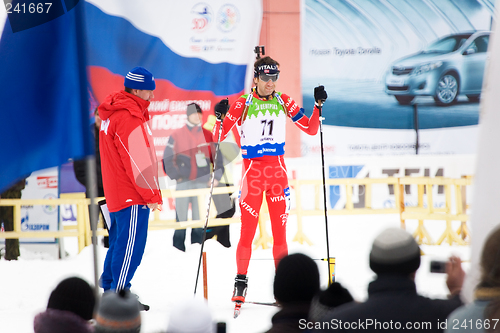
(140, 78)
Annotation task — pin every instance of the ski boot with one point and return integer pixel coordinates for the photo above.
(240, 288)
(239, 293)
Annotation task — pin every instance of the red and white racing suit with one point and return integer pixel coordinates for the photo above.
(262, 124)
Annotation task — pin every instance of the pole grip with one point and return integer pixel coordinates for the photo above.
(331, 263)
(205, 276)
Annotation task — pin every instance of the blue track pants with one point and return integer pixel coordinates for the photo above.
(127, 240)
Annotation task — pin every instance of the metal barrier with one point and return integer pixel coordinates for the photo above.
(421, 212)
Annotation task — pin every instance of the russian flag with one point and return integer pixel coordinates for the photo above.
(197, 51)
(43, 89)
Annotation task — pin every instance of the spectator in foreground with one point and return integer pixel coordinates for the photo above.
(482, 315)
(393, 302)
(295, 284)
(70, 307)
(334, 296)
(118, 313)
(191, 316)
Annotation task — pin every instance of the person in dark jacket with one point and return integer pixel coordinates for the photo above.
(80, 168)
(483, 314)
(188, 159)
(225, 204)
(335, 295)
(7, 218)
(70, 307)
(393, 303)
(295, 284)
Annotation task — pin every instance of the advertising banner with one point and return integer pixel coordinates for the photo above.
(197, 51)
(377, 59)
(41, 184)
(452, 166)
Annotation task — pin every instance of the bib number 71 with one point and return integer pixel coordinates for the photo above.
(269, 125)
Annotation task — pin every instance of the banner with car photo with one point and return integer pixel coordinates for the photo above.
(392, 66)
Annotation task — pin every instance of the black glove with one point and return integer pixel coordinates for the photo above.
(320, 95)
(221, 108)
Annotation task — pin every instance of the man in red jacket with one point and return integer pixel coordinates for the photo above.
(188, 158)
(129, 175)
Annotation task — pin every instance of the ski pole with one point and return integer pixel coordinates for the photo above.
(208, 207)
(320, 104)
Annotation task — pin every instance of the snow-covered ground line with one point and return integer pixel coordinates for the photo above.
(167, 276)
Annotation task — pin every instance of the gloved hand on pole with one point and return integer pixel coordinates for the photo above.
(221, 109)
(320, 95)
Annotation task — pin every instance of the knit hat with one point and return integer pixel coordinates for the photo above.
(140, 78)
(335, 295)
(394, 251)
(192, 108)
(74, 295)
(118, 313)
(296, 280)
(191, 316)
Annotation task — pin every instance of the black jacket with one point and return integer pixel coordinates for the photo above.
(291, 318)
(80, 166)
(393, 304)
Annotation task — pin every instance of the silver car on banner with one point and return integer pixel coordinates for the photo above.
(451, 66)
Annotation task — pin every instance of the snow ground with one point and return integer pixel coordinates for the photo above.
(167, 276)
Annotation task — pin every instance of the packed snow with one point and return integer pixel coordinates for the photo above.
(167, 276)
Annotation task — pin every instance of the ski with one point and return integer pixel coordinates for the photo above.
(263, 303)
(237, 309)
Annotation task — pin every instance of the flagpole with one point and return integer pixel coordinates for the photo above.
(84, 99)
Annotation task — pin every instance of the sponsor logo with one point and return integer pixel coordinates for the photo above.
(243, 152)
(249, 209)
(46, 182)
(270, 150)
(265, 68)
(202, 16)
(278, 198)
(287, 191)
(105, 125)
(238, 105)
(35, 227)
(195, 48)
(284, 218)
(267, 106)
(50, 209)
(228, 18)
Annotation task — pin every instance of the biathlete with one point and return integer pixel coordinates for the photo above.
(261, 117)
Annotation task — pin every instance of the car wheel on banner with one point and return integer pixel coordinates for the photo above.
(447, 90)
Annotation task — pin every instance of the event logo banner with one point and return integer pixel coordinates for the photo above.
(378, 59)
